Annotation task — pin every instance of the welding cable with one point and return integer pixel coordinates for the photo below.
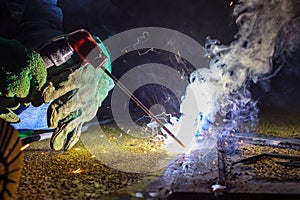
(29, 136)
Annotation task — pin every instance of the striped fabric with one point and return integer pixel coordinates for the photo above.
(11, 159)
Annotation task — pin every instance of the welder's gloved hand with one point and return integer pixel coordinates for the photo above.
(78, 91)
(22, 75)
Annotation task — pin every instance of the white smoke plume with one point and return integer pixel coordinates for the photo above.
(266, 29)
(250, 55)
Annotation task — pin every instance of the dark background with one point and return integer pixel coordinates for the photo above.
(195, 18)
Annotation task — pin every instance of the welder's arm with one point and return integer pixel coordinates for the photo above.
(22, 75)
(77, 90)
(38, 21)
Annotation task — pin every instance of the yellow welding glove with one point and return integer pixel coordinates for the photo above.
(77, 91)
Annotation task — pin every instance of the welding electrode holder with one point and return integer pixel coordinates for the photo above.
(59, 50)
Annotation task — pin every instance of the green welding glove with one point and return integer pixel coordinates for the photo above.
(22, 75)
(78, 90)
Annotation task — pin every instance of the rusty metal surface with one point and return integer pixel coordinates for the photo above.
(188, 173)
(214, 175)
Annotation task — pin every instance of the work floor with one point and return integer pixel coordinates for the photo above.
(111, 174)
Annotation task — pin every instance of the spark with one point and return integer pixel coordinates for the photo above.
(241, 142)
(226, 144)
(231, 3)
(161, 116)
(147, 51)
(217, 187)
(77, 171)
(139, 44)
(145, 129)
(77, 149)
(24, 147)
(139, 41)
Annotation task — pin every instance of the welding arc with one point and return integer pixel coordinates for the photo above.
(140, 104)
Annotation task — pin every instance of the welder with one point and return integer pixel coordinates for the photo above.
(30, 75)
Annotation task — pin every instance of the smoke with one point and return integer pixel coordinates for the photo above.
(267, 30)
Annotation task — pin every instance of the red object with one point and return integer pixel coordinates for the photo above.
(87, 48)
